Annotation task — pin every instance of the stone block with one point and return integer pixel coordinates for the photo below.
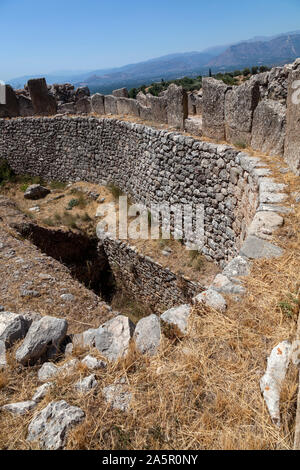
(214, 92)
(292, 141)
(44, 104)
(269, 126)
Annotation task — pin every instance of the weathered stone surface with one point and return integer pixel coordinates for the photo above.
(224, 285)
(194, 126)
(86, 385)
(93, 363)
(82, 92)
(127, 106)
(11, 107)
(85, 339)
(271, 198)
(97, 102)
(110, 104)
(35, 192)
(178, 317)
(271, 382)
(264, 224)
(237, 267)
(240, 104)
(120, 93)
(44, 104)
(112, 339)
(118, 395)
(50, 427)
(20, 408)
(42, 391)
(255, 248)
(214, 92)
(67, 108)
(25, 106)
(147, 335)
(67, 297)
(158, 107)
(12, 327)
(212, 299)
(269, 126)
(3, 362)
(83, 106)
(47, 372)
(177, 106)
(43, 337)
(292, 141)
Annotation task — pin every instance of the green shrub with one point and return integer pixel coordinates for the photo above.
(115, 190)
(72, 203)
(57, 185)
(6, 173)
(240, 145)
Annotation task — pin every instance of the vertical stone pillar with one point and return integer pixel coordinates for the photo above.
(177, 106)
(213, 112)
(292, 140)
(43, 103)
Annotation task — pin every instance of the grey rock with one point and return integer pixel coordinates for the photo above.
(118, 396)
(212, 299)
(237, 267)
(224, 285)
(120, 93)
(13, 327)
(25, 106)
(110, 104)
(20, 408)
(292, 141)
(214, 92)
(47, 372)
(112, 339)
(255, 248)
(67, 297)
(43, 337)
(83, 105)
(264, 224)
(85, 339)
(147, 335)
(177, 106)
(93, 363)
(50, 427)
(178, 317)
(41, 392)
(127, 106)
(11, 107)
(97, 102)
(86, 385)
(36, 191)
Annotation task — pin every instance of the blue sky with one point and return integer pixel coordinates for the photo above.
(39, 36)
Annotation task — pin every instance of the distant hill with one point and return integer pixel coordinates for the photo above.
(272, 52)
(276, 50)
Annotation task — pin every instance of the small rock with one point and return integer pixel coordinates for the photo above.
(147, 335)
(86, 385)
(47, 372)
(20, 408)
(93, 363)
(118, 396)
(224, 285)
(69, 349)
(50, 427)
(271, 382)
(212, 299)
(2, 308)
(29, 293)
(264, 224)
(237, 267)
(41, 392)
(12, 327)
(178, 317)
(67, 297)
(85, 339)
(34, 209)
(36, 191)
(69, 367)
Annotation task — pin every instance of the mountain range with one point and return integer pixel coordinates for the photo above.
(271, 51)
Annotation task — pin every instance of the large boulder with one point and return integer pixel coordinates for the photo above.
(177, 318)
(44, 104)
(177, 106)
(121, 93)
(269, 126)
(292, 141)
(97, 102)
(212, 299)
(82, 92)
(50, 426)
(127, 106)
(214, 92)
(35, 192)
(158, 108)
(42, 340)
(112, 339)
(110, 104)
(13, 327)
(11, 106)
(25, 106)
(147, 335)
(240, 104)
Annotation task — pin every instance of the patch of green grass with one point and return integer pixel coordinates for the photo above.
(6, 173)
(57, 185)
(115, 190)
(240, 145)
(49, 221)
(72, 203)
(24, 187)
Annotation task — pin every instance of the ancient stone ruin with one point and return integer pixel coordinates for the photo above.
(151, 148)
